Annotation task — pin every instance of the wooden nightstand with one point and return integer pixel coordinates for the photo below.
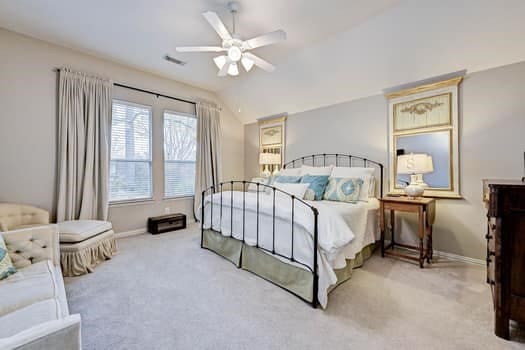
(426, 210)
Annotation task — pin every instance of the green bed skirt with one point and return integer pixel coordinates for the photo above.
(295, 279)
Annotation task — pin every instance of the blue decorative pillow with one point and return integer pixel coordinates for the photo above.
(343, 189)
(287, 179)
(317, 185)
(6, 266)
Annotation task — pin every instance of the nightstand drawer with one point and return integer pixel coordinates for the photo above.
(402, 207)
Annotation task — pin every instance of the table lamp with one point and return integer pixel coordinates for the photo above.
(269, 159)
(275, 160)
(428, 168)
(415, 165)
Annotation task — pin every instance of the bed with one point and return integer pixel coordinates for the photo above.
(306, 247)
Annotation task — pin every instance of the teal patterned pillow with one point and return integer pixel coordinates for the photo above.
(6, 266)
(343, 189)
(317, 185)
(287, 179)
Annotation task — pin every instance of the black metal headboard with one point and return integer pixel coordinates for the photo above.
(348, 160)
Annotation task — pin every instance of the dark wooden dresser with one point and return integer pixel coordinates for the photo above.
(506, 251)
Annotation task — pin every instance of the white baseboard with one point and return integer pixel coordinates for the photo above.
(454, 257)
(438, 253)
(461, 258)
(130, 233)
(140, 231)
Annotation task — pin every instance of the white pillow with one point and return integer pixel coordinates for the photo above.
(349, 172)
(298, 190)
(316, 170)
(261, 180)
(290, 172)
(372, 188)
(365, 174)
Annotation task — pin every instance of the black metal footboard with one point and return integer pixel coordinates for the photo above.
(213, 191)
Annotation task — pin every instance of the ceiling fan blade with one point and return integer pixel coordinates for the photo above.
(199, 49)
(217, 24)
(259, 62)
(224, 70)
(265, 39)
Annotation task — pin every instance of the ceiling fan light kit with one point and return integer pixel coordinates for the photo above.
(234, 53)
(233, 70)
(247, 63)
(236, 49)
(220, 61)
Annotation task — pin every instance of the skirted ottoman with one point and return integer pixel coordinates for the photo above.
(84, 244)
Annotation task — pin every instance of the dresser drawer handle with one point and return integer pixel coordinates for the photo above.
(491, 282)
(493, 227)
(491, 253)
(488, 237)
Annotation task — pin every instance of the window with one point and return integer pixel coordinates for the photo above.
(130, 166)
(180, 150)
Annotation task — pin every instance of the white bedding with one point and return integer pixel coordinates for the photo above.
(344, 228)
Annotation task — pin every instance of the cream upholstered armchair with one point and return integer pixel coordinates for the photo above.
(18, 216)
(85, 243)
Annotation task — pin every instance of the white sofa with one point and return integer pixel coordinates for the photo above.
(33, 307)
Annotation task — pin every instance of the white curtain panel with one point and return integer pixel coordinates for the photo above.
(84, 112)
(208, 163)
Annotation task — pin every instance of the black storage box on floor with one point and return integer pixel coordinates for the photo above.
(166, 223)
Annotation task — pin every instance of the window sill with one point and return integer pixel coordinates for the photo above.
(126, 203)
(178, 198)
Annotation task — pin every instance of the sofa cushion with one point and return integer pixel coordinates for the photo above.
(29, 316)
(80, 230)
(30, 285)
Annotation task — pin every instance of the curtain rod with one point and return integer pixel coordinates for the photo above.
(153, 93)
(146, 91)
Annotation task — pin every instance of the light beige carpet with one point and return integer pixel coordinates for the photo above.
(164, 292)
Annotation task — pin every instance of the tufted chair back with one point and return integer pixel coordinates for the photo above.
(31, 245)
(17, 216)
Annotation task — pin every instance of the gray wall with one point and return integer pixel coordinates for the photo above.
(492, 123)
(28, 122)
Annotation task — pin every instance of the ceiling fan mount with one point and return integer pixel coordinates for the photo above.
(233, 6)
(235, 48)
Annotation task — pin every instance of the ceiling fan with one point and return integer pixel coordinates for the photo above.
(234, 48)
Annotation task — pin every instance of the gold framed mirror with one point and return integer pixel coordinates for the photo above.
(272, 133)
(423, 139)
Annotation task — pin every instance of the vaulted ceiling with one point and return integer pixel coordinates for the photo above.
(141, 32)
(337, 50)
